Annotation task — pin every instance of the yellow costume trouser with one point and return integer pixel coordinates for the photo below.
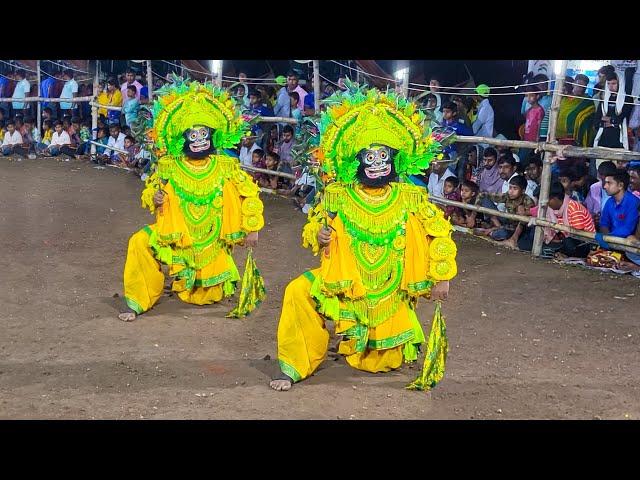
(144, 280)
(303, 338)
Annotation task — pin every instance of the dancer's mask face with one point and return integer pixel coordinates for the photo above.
(376, 166)
(198, 142)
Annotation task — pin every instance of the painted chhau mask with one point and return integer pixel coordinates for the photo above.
(376, 166)
(198, 142)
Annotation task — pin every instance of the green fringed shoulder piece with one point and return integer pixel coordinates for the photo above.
(435, 357)
(252, 292)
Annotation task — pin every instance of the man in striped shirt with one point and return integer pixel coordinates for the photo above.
(565, 211)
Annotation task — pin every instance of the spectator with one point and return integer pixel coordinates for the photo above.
(130, 80)
(507, 165)
(46, 91)
(303, 190)
(102, 138)
(533, 116)
(20, 92)
(468, 194)
(431, 103)
(598, 195)
(246, 150)
(271, 140)
(131, 106)
(2, 131)
(257, 106)
(575, 117)
(20, 125)
(598, 90)
(242, 95)
(31, 136)
(295, 111)
(489, 179)
(434, 88)
(112, 97)
(70, 90)
(473, 163)
(451, 192)
(283, 148)
(257, 161)
(534, 169)
(450, 120)
(620, 214)
(47, 133)
(483, 125)
(283, 104)
(116, 140)
(128, 159)
(47, 114)
(78, 145)
(516, 201)
(612, 115)
(12, 139)
(4, 93)
(439, 173)
(541, 82)
(565, 211)
(463, 110)
(59, 140)
(634, 180)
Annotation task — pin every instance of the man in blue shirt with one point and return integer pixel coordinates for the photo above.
(621, 212)
(450, 120)
(46, 91)
(22, 88)
(70, 90)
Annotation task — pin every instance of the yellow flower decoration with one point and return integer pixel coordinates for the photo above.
(248, 188)
(428, 210)
(252, 206)
(443, 269)
(399, 242)
(442, 248)
(217, 203)
(252, 223)
(438, 227)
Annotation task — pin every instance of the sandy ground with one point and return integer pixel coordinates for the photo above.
(529, 338)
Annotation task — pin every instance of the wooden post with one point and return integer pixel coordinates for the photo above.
(545, 178)
(94, 109)
(39, 105)
(149, 83)
(316, 86)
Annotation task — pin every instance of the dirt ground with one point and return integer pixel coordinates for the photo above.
(529, 338)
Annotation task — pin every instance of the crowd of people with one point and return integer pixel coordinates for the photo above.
(503, 179)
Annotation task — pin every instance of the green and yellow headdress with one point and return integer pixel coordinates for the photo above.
(183, 104)
(359, 118)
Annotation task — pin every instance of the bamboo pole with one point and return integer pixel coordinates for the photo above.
(292, 121)
(545, 177)
(566, 150)
(268, 172)
(108, 107)
(622, 243)
(41, 99)
(39, 105)
(149, 83)
(94, 109)
(316, 86)
(115, 149)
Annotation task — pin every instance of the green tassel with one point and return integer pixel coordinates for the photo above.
(252, 292)
(436, 355)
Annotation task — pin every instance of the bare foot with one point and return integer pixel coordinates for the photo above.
(127, 316)
(510, 244)
(282, 383)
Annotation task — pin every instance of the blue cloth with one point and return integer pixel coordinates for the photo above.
(144, 92)
(309, 100)
(460, 128)
(621, 219)
(130, 110)
(45, 86)
(601, 242)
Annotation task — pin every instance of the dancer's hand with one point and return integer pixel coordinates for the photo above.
(324, 236)
(440, 291)
(251, 240)
(158, 198)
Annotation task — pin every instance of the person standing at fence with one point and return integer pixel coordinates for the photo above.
(613, 113)
(483, 125)
(46, 91)
(20, 92)
(131, 106)
(130, 77)
(283, 104)
(69, 90)
(113, 98)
